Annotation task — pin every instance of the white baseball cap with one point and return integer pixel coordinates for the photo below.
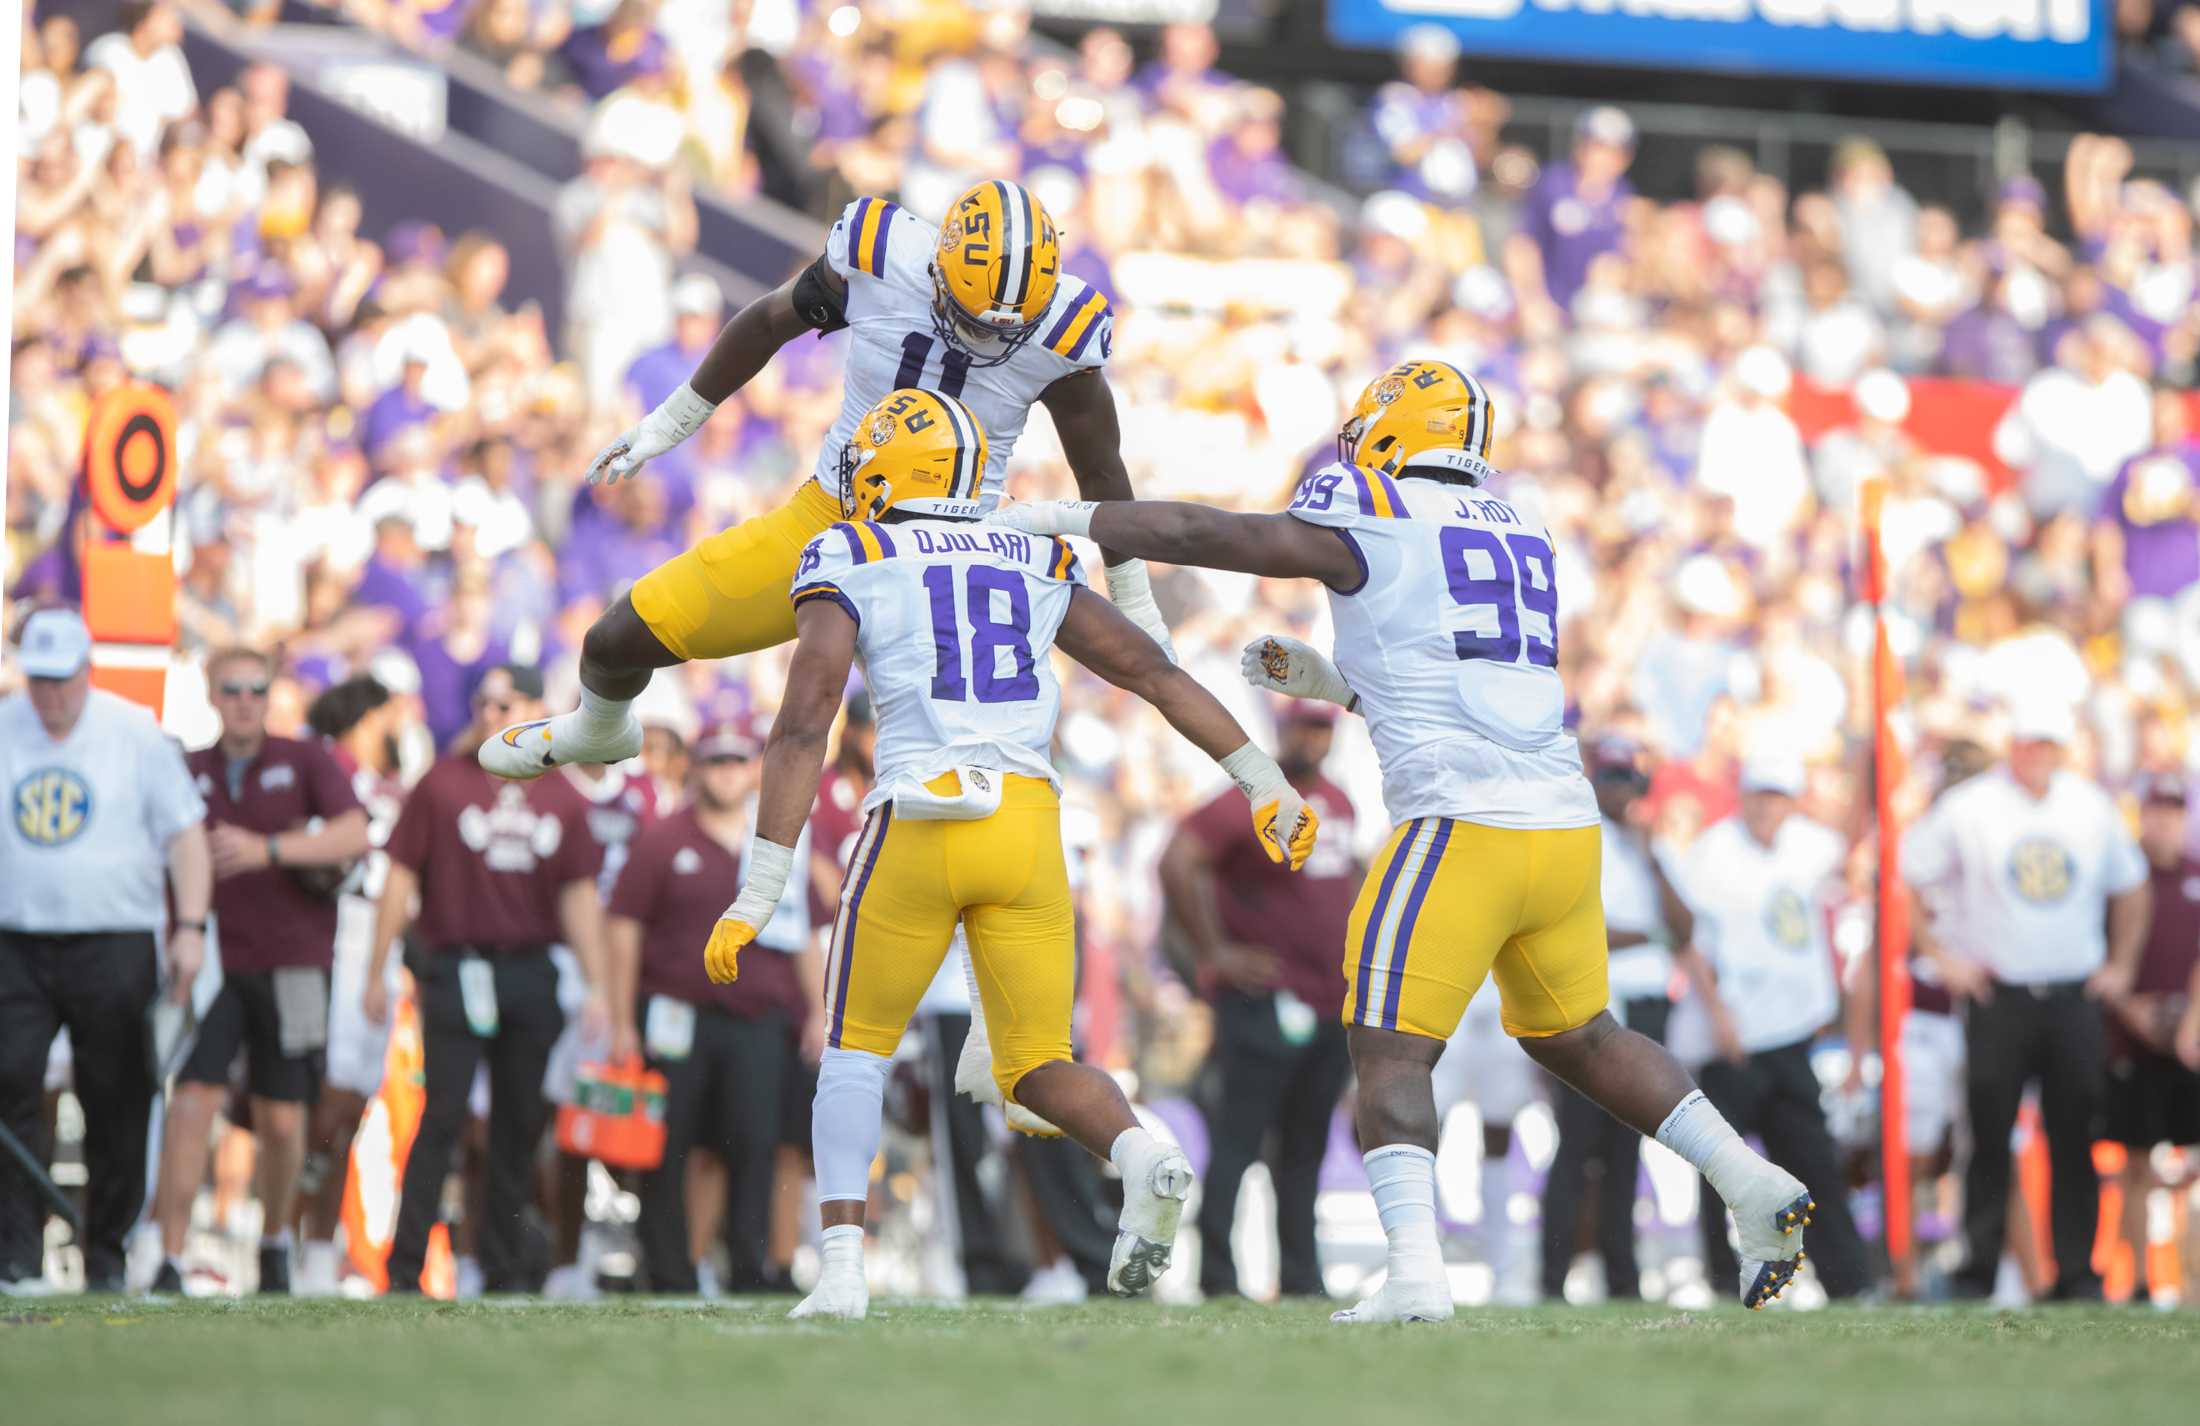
(2042, 720)
(55, 644)
(1773, 772)
(697, 295)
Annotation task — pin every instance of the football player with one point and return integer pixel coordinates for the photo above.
(954, 620)
(978, 310)
(1446, 607)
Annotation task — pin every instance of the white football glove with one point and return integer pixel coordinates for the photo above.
(679, 416)
(1046, 517)
(1285, 665)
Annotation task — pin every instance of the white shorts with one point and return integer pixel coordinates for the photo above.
(1932, 1078)
(1484, 1065)
(357, 1046)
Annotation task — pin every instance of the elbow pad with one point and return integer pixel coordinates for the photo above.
(815, 302)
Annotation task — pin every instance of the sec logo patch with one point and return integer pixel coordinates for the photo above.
(1787, 920)
(2041, 869)
(52, 807)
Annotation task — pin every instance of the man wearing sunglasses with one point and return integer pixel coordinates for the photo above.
(276, 808)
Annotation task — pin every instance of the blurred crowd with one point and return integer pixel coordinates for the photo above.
(382, 451)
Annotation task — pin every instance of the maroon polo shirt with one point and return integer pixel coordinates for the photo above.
(620, 805)
(492, 856)
(266, 919)
(1298, 915)
(677, 880)
(2172, 944)
(835, 823)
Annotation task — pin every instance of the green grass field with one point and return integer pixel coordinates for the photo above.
(116, 1361)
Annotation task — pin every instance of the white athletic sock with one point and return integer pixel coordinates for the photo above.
(600, 717)
(1132, 1148)
(1497, 1234)
(844, 1123)
(275, 1240)
(1700, 1134)
(840, 1250)
(1403, 1177)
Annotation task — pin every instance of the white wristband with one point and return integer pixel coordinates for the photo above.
(680, 415)
(770, 864)
(1256, 774)
(1069, 517)
(1128, 583)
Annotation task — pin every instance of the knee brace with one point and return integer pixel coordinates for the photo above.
(844, 1122)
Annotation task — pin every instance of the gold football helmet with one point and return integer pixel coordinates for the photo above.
(1421, 413)
(917, 451)
(994, 271)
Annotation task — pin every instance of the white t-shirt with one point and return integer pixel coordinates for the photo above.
(2026, 879)
(1631, 904)
(150, 90)
(85, 844)
(1760, 918)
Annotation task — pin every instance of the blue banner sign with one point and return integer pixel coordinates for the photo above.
(2005, 44)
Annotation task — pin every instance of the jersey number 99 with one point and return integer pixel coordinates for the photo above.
(1519, 576)
(988, 636)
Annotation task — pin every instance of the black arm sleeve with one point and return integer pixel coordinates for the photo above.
(818, 300)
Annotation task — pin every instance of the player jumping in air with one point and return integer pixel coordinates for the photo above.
(979, 311)
(953, 619)
(1446, 607)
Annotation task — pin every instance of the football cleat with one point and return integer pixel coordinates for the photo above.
(841, 1297)
(1770, 1224)
(528, 750)
(1145, 1236)
(1397, 1301)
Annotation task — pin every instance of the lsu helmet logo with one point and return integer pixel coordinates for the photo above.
(881, 428)
(2041, 870)
(1389, 389)
(1787, 920)
(52, 807)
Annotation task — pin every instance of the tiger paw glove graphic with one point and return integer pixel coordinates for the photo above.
(1286, 665)
(1285, 825)
(769, 866)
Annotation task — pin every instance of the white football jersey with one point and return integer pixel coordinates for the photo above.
(1451, 640)
(954, 620)
(884, 254)
(1760, 917)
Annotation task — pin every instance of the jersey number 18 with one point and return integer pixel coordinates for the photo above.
(988, 636)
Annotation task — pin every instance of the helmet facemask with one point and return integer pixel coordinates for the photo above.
(981, 341)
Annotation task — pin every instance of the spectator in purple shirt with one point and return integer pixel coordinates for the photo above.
(393, 577)
(1422, 119)
(2146, 538)
(1990, 342)
(628, 537)
(1247, 162)
(398, 409)
(454, 646)
(1576, 212)
(697, 307)
(1185, 74)
(606, 57)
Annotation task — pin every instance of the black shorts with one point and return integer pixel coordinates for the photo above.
(245, 1016)
(797, 1089)
(2153, 1099)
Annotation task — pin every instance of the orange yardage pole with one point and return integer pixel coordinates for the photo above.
(1894, 909)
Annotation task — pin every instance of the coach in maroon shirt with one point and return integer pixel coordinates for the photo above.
(1269, 949)
(723, 1049)
(2153, 1098)
(501, 870)
(276, 809)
